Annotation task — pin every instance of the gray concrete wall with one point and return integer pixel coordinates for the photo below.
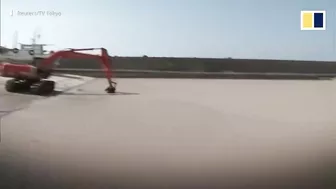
(207, 65)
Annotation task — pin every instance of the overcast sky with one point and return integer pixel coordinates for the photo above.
(192, 28)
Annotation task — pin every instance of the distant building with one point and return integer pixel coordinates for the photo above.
(27, 52)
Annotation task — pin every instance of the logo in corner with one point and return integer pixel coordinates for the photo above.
(313, 20)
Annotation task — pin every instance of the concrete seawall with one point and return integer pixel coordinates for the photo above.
(121, 73)
(206, 65)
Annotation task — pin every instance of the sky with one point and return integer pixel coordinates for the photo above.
(268, 29)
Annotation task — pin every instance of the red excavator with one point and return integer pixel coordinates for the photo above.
(34, 78)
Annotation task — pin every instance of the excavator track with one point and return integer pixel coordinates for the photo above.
(42, 87)
(17, 85)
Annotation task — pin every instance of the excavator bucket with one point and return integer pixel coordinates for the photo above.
(110, 89)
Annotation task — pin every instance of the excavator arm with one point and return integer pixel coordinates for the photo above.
(47, 64)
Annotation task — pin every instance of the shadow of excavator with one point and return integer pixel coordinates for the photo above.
(56, 93)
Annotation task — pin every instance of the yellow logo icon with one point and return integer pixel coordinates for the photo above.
(313, 20)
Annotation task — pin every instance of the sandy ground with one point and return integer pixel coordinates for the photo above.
(170, 132)
(10, 102)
